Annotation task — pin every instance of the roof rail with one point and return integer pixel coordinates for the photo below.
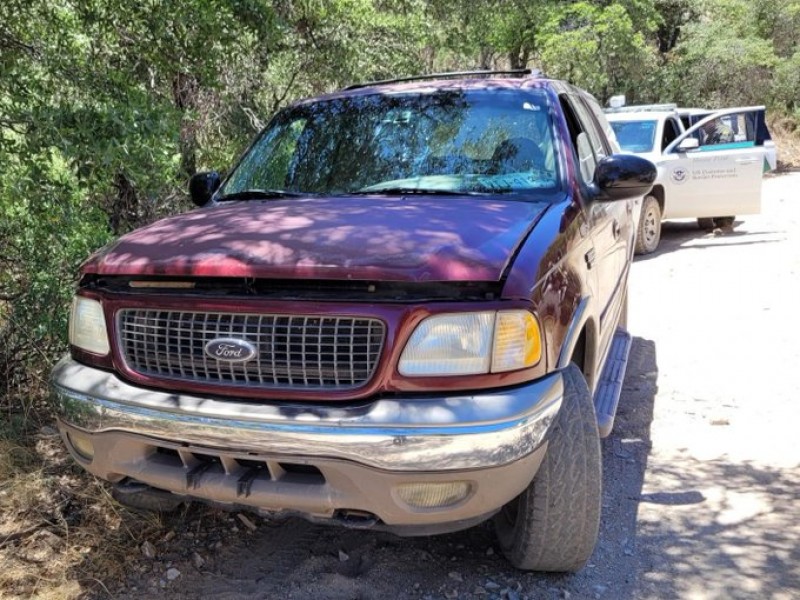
(449, 75)
(667, 107)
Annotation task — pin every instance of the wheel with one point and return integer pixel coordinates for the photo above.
(724, 222)
(649, 231)
(553, 524)
(706, 223)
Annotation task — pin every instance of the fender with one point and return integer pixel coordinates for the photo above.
(579, 319)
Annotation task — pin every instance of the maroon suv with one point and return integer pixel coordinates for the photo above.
(401, 310)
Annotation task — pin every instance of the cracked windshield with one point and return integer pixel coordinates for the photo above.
(455, 141)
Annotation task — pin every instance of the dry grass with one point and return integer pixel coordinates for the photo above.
(786, 135)
(61, 534)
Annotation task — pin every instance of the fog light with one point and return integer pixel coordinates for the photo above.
(82, 444)
(433, 495)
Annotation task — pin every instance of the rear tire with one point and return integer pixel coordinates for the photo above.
(705, 223)
(724, 222)
(553, 524)
(648, 234)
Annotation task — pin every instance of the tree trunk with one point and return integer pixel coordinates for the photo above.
(485, 58)
(518, 58)
(123, 208)
(185, 89)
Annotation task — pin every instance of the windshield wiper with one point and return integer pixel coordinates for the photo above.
(260, 195)
(405, 191)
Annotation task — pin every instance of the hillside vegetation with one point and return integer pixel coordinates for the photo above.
(108, 107)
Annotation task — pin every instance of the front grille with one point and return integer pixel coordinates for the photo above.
(292, 351)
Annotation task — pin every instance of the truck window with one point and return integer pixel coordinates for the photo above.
(728, 131)
(587, 161)
(671, 131)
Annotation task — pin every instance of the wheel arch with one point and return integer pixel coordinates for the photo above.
(658, 193)
(580, 345)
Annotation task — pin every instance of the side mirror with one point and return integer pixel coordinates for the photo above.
(623, 176)
(687, 144)
(202, 186)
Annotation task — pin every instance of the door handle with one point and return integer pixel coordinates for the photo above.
(589, 258)
(615, 228)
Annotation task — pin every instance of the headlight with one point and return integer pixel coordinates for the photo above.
(457, 344)
(472, 344)
(87, 326)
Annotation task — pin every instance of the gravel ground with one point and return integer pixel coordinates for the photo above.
(701, 480)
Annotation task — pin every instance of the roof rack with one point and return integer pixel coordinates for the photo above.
(449, 75)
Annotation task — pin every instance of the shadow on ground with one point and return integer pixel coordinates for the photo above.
(743, 541)
(295, 559)
(685, 235)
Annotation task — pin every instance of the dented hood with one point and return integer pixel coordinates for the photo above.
(375, 238)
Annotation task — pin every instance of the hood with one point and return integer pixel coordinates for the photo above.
(416, 238)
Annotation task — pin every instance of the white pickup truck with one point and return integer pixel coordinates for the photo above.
(710, 163)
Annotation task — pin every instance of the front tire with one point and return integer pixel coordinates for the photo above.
(553, 524)
(648, 234)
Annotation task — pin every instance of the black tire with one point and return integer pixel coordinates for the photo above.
(553, 524)
(705, 223)
(648, 233)
(724, 222)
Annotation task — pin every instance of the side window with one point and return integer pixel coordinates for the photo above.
(603, 124)
(591, 127)
(762, 131)
(671, 131)
(587, 161)
(735, 128)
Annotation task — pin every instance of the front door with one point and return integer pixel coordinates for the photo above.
(721, 174)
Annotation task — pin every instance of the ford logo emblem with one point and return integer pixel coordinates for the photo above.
(230, 350)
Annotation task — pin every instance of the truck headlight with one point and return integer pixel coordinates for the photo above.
(472, 344)
(87, 326)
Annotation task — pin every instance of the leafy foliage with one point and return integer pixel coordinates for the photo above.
(598, 48)
(106, 108)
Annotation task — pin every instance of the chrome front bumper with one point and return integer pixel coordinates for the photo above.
(324, 462)
(413, 434)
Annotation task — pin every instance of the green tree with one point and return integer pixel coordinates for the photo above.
(721, 60)
(599, 49)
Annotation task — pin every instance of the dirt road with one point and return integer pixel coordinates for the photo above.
(701, 474)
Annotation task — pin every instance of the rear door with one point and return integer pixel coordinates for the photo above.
(722, 176)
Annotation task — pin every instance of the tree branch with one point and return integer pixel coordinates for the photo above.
(8, 40)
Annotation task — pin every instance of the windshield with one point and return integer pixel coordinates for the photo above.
(482, 141)
(635, 136)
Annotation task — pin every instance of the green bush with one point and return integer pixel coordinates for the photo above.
(47, 228)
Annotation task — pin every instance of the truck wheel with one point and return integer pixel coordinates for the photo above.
(553, 524)
(705, 223)
(724, 222)
(649, 231)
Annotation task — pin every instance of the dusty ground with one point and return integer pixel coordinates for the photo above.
(701, 474)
